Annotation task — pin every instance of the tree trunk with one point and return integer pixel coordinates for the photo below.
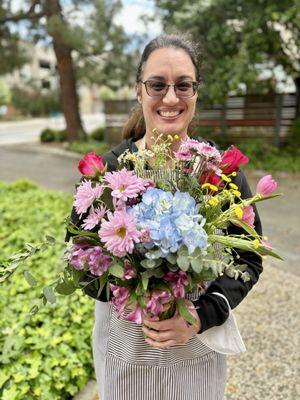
(65, 70)
(297, 84)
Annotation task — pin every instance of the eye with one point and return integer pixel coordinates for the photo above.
(156, 85)
(184, 86)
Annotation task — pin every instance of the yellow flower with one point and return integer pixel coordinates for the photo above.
(176, 137)
(154, 130)
(236, 193)
(170, 138)
(234, 173)
(256, 243)
(233, 186)
(210, 186)
(213, 201)
(239, 212)
(225, 178)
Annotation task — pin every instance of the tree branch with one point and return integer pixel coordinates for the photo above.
(30, 14)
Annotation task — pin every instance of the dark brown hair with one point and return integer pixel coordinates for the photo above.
(135, 126)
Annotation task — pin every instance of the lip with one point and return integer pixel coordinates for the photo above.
(169, 114)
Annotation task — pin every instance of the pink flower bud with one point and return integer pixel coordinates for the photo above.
(248, 215)
(91, 165)
(266, 185)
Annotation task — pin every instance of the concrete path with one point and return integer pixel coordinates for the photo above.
(268, 318)
(28, 131)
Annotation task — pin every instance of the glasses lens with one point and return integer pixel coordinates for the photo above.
(156, 88)
(185, 89)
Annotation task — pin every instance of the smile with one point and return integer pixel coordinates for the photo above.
(169, 114)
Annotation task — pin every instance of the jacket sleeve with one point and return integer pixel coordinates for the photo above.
(212, 309)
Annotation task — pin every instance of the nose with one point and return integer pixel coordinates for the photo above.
(170, 97)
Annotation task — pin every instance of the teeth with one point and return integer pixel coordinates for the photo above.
(169, 113)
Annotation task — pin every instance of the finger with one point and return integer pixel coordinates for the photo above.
(161, 345)
(159, 336)
(165, 325)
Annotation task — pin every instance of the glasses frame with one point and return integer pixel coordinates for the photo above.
(194, 83)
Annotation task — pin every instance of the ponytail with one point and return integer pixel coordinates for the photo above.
(135, 125)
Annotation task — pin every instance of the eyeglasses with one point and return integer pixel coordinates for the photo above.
(183, 90)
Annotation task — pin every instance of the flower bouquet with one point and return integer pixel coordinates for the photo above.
(154, 232)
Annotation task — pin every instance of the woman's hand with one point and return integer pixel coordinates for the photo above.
(175, 330)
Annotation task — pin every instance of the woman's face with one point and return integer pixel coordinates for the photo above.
(168, 114)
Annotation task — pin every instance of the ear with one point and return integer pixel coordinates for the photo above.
(138, 93)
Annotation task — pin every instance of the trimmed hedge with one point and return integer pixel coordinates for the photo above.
(47, 356)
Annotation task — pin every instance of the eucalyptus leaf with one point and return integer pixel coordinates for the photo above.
(197, 264)
(65, 288)
(116, 270)
(171, 258)
(183, 262)
(50, 240)
(49, 294)
(29, 278)
(145, 280)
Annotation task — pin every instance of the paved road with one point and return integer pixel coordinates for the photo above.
(28, 131)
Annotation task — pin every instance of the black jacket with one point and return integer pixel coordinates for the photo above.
(211, 309)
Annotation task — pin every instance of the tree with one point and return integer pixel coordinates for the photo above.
(82, 51)
(240, 38)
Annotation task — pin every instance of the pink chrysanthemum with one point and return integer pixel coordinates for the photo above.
(124, 184)
(192, 147)
(119, 233)
(86, 195)
(93, 218)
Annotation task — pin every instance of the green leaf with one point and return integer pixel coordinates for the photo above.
(65, 288)
(29, 278)
(116, 270)
(49, 294)
(183, 262)
(145, 280)
(50, 240)
(171, 257)
(184, 312)
(197, 264)
(245, 226)
(103, 281)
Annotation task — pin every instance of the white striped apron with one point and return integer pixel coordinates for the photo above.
(127, 368)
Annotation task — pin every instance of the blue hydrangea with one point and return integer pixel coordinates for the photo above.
(173, 220)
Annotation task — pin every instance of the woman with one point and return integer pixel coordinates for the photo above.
(164, 359)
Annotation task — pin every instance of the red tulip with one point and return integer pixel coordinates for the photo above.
(91, 165)
(231, 159)
(266, 185)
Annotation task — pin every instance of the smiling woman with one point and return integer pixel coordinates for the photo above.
(165, 360)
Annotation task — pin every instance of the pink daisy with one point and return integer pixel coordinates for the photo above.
(86, 195)
(93, 218)
(124, 184)
(119, 233)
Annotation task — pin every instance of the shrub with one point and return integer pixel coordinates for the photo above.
(87, 146)
(47, 135)
(97, 134)
(61, 136)
(46, 356)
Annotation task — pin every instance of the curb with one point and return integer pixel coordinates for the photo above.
(89, 392)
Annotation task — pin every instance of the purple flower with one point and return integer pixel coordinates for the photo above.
(136, 315)
(92, 259)
(120, 297)
(157, 300)
(177, 281)
(129, 271)
(98, 261)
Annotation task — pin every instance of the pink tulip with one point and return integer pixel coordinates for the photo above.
(266, 185)
(248, 215)
(91, 165)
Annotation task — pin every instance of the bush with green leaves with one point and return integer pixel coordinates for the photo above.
(46, 356)
(88, 146)
(98, 134)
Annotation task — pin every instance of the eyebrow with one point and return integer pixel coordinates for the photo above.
(161, 78)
